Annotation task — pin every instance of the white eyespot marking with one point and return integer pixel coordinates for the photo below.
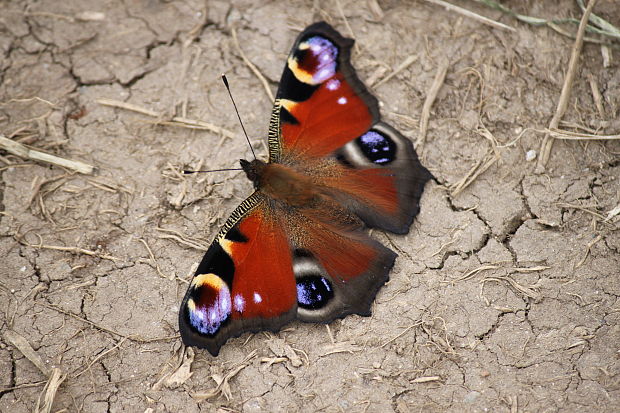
(333, 84)
(342, 100)
(239, 303)
(324, 74)
(257, 298)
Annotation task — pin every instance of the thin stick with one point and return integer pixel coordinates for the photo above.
(430, 99)
(252, 67)
(596, 95)
(408, 61)
(176, 120)
(238, 116)
(135, 338)
(73, 250)
(99, 357)
(472, 15)
(574, 136)
(187, 172)
(23, 151)
(547, 144)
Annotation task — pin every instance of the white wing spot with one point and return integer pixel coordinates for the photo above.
(342, 101)
(333, 84)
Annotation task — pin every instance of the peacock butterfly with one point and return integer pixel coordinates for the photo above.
(297, 247)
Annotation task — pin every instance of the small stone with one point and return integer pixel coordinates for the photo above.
(530, 155)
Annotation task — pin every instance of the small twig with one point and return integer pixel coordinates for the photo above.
(402, 333)
(547, 144)
(99, 357)
(176, 120)
(252, 67)
(478, 169)
(426, 379)
(588, 248)
(73, 250)
(430, 99)
(574, 136)
(154, 260)
(596, 95)
(23, 151)
(177, 236)
(132, 337)
(346, 23)
(405, 64)
(472, 15)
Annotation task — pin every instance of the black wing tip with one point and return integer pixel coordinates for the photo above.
(326, 29)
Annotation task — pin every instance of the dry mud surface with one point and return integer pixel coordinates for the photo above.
(505, 295)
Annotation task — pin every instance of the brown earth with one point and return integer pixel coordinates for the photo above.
(505, 295)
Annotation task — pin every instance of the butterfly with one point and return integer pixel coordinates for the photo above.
(297, 248)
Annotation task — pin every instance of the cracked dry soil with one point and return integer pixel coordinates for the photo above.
(504, 298)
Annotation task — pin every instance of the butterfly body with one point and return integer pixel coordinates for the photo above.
(297, 247)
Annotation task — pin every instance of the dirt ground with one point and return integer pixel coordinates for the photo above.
(506, 293)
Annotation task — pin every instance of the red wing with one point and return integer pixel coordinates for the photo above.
(245, 281)
(339, 269)
(324, 110)
(323, 103)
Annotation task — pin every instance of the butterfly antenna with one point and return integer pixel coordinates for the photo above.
(187, 172)
(235, 105)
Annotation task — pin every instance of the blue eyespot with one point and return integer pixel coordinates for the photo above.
(313, 292)
(378, 148)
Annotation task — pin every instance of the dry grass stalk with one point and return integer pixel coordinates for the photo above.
(23, 151)
(252, 67)
(478, 169)
(26, 349)
(74, 250)
(426, 379)
(471, 15)
(223, 386)
(100, 356)
(55, 375)
(340, 347)
(176, 120)
(181, 239)
(596, 95)
(574, 136)
(405, 64)
(161, 274)
(402, 333)
(135, 338)
(46, 398)
(588, 248)
(547, 144)
(349, 28)
(430, 99)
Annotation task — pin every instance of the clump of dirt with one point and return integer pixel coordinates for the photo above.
(505, 295)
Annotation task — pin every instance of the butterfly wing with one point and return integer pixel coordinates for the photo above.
(245, 281)
(323, 110)
(272, 263)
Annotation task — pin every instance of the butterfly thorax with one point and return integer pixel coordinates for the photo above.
(282, 183)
